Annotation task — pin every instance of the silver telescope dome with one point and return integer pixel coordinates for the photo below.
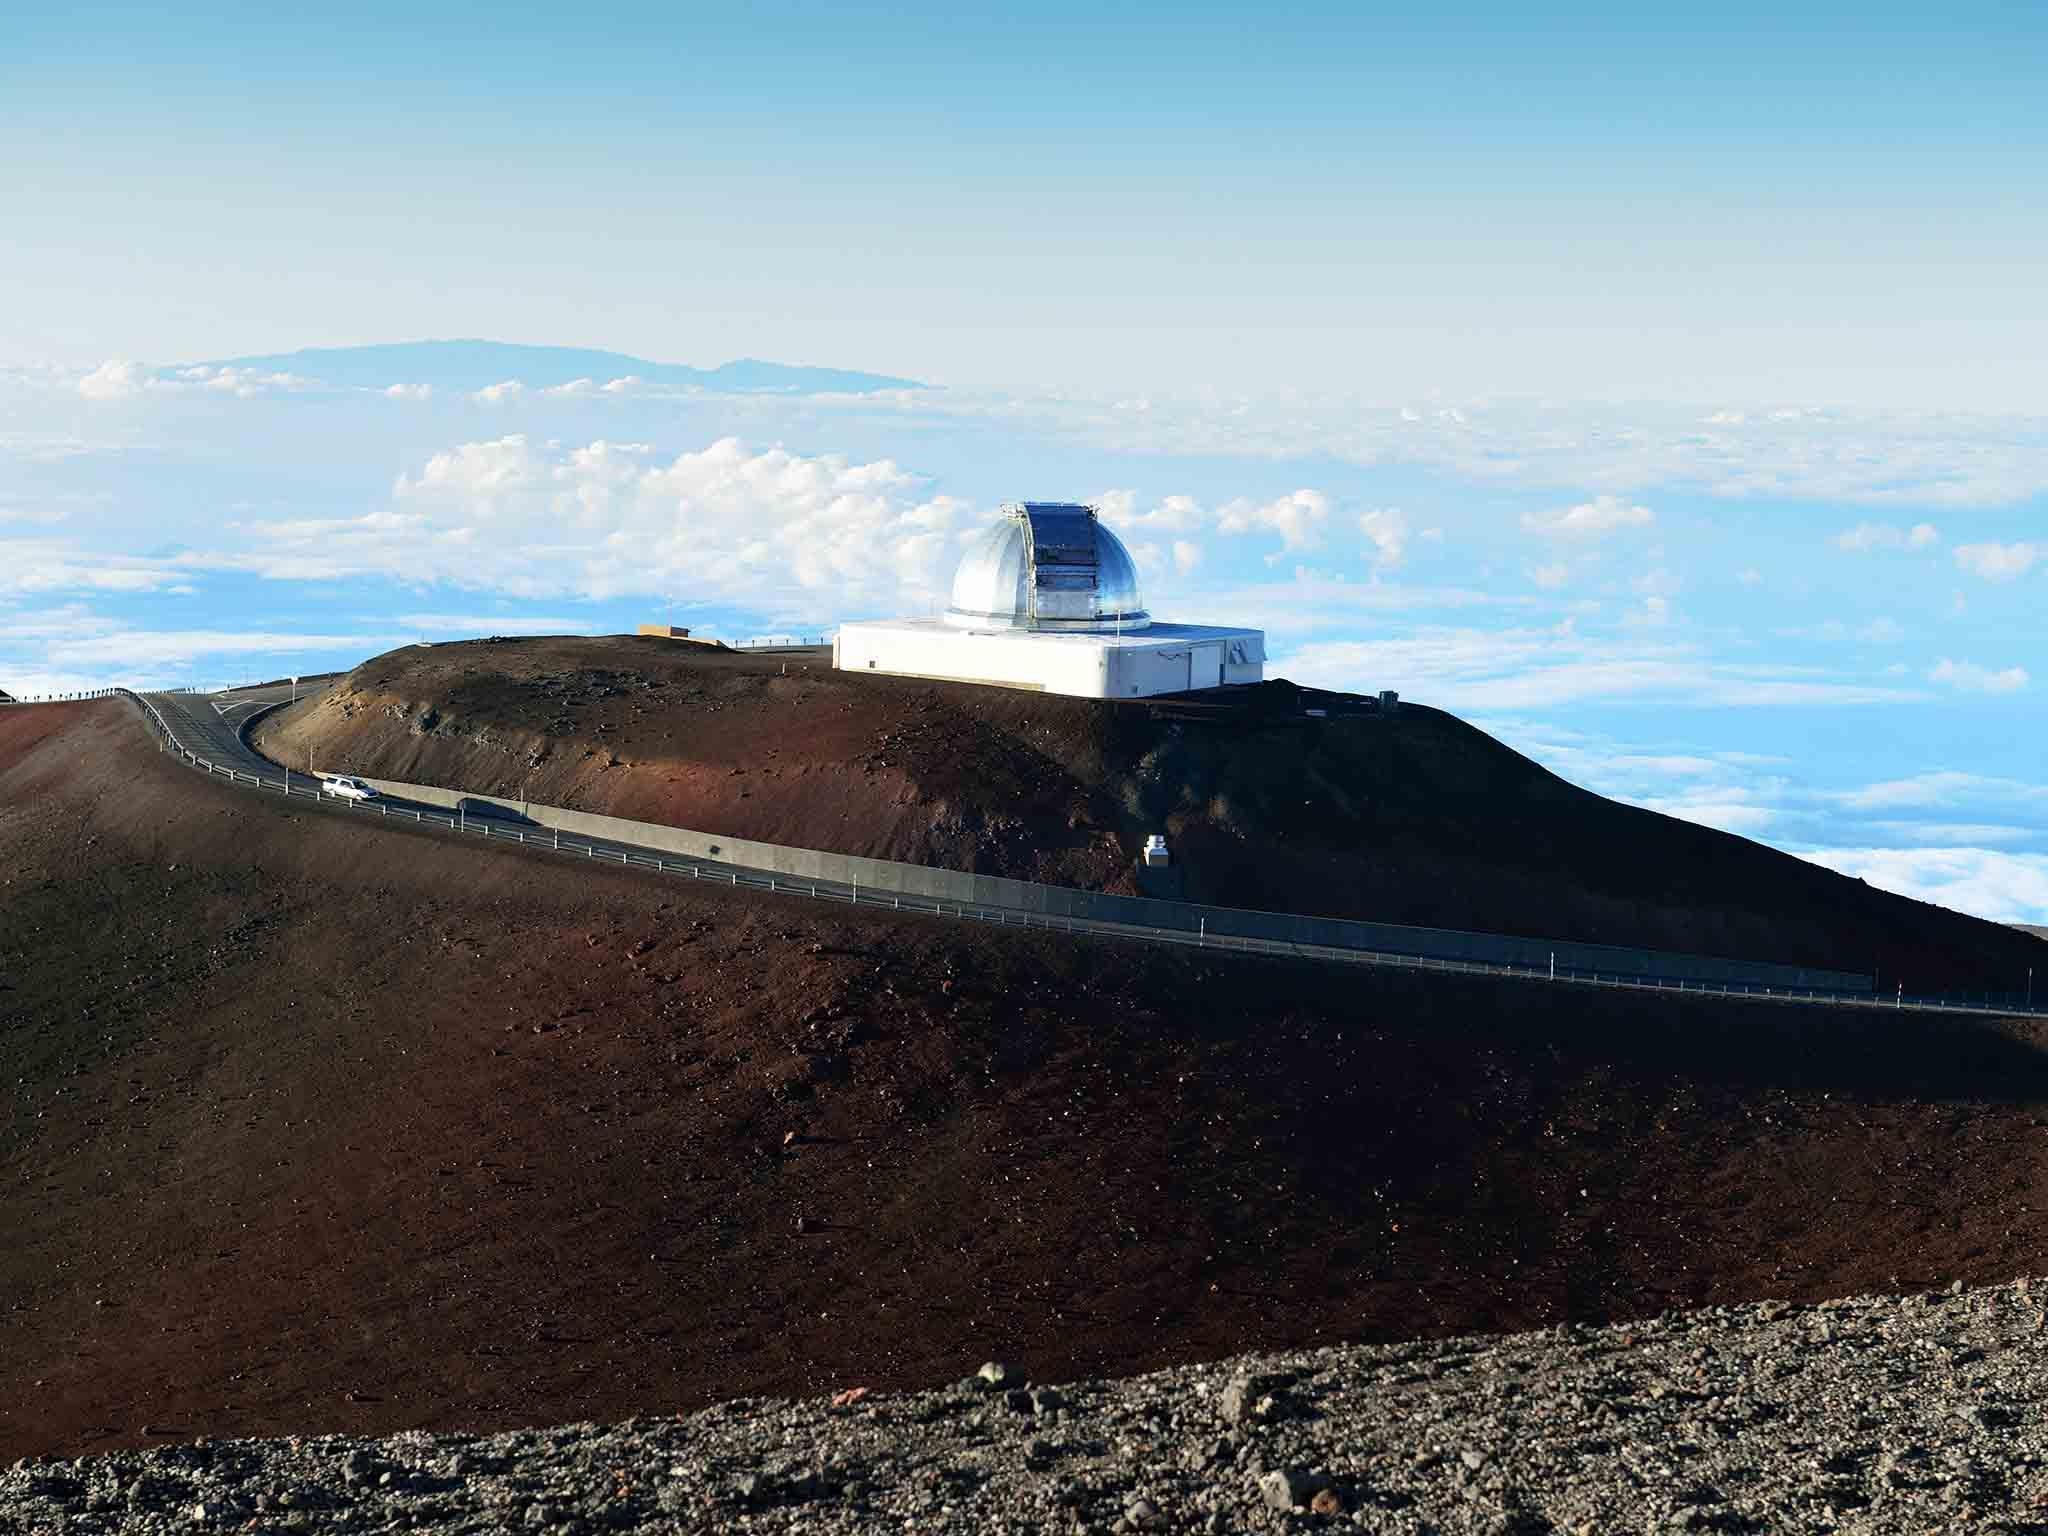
(1047, 565)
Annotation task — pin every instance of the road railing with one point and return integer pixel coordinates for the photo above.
(80, 698)
(495, 829)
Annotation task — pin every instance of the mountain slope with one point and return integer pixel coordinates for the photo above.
(467, 365)
(1417, 819)
(312, 1123)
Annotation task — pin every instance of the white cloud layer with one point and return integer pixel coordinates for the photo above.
(47, 565)
(1386, 529)
(1527, 669)
(1986, 882)
(115, 379)
(1865, 537)
(1971, 678)
(1998, 562)
(1945, 787)
(1589, 519)
(120, 379)
(531, 519)
(1298, 518)
(467, 624)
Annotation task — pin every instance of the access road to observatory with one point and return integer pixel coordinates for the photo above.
(208, 732)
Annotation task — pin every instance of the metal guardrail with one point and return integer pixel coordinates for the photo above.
(80, 698)
(737, 877)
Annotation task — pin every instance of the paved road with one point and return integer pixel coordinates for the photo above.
(206, 729)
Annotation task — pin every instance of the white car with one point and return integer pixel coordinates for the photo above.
(347, 786)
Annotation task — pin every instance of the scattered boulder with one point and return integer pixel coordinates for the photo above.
(1290, 1488)
(1255, 1400)
(1142, 1514)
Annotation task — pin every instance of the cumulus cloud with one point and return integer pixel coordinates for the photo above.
(1968, 677)
(1186, 556)
(1589, 519)
(1386, 529)
(1998, 562)
(590, 389)
(1551, 577)
(1656, 588)
(530, 518)
(1298, 518)
(115, 379)
(1865, 537)
(409, 392)
(1172, 514)
(498, 394)
(118, 379)
(243, 383)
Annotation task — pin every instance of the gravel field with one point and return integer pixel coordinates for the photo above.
(1915, 1413)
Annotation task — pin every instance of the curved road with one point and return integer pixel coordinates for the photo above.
(205, 729)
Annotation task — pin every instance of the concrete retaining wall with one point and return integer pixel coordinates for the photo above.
(1024, 895)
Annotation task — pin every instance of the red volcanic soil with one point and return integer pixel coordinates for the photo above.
(314, 1124)
(1415, 819)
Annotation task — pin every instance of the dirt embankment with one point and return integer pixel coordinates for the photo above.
(1417, 819)
(309, 1124)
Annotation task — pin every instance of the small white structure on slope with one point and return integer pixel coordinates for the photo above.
(1048, 599)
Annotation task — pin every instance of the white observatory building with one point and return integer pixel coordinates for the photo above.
(1048, 599)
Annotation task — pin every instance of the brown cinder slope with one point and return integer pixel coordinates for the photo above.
(1420, 819)
(313, 1124)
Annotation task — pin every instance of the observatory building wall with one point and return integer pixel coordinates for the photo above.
(1054, 664)
(1162, 658)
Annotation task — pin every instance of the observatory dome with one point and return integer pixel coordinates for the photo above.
(1047, 565)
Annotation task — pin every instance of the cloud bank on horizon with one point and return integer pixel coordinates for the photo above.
(1789, 625)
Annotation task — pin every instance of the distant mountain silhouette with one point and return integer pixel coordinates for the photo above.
(467, 365)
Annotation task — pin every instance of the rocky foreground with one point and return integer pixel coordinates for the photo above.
(1921, 1413)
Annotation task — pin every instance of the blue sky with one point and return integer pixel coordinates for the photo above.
(1665, 393)
(1837, 205)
